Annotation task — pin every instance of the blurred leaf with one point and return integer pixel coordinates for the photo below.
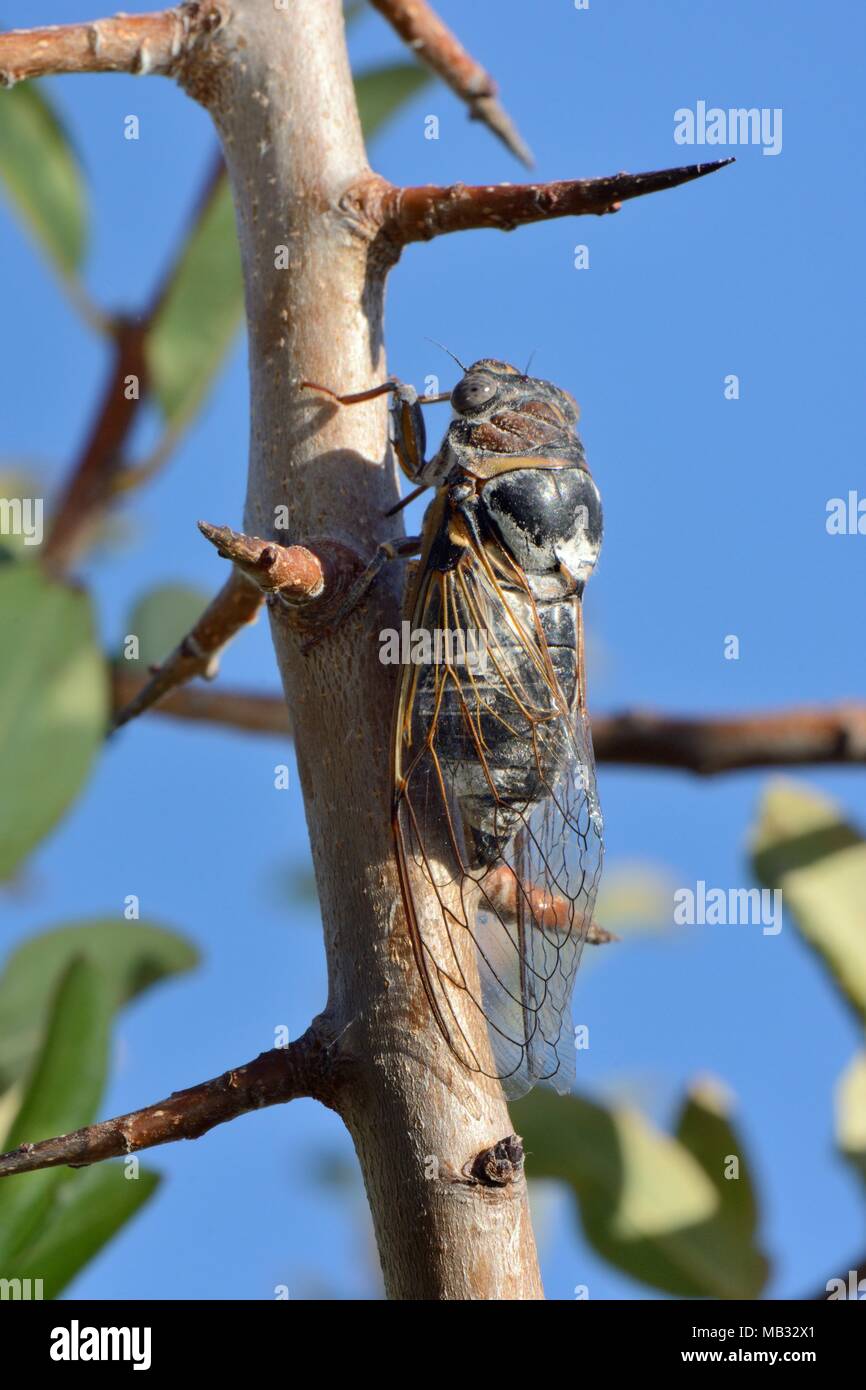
(200, 311)
(803, 845)
(334, 1170)
(53, 705)
(17, 484)
(10, 1104)
(636, 898)
(646, 1203)
(41, 173)
(295, 884)
(381, 92)
(161, 619)
(705, 1129)
(89, 1209)
(131, 955)
(851, 1113)
(62, 1094)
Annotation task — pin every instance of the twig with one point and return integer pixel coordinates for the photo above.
(418, 214)
(293, 571)
(307, 583)
(144, 43)
(707, 746)
(422, 29)
(236, 709)
(135, 475)
(91, 481)
(304, 1068)
(237, 603)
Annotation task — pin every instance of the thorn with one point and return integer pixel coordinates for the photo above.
(494, 116)
(294, 571)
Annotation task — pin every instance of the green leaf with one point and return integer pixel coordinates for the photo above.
(41, 173)
(62, 1093)
(704, 1127)
(381, 92)
(851, 1113)
(53, 705)
(162, 618)
(89, 1209)
(131, 955)
(804, 846)
(200, 311)
(647, 1205)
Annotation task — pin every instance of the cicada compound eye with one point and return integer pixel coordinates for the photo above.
(472, 392)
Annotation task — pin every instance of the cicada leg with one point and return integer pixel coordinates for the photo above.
(409, 440)
(406, 429)
(399, 549)
(550, 911)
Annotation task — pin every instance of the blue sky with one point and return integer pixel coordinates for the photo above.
(715, 515)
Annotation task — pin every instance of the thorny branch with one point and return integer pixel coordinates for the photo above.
(284, 87)
(303, 1068)
(308, 584)
(290, 570)
(405, 215)
(144, 43)
(422, 29)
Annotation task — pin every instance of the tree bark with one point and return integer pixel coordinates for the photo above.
(278, 85)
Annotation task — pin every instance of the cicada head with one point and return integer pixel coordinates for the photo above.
(500, 410)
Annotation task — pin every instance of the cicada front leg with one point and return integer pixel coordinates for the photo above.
(409, 441)
(398, 549)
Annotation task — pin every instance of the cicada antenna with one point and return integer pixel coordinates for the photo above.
(529, 363)
(452, 355)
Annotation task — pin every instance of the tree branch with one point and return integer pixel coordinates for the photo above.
(145, 43)
(432, 41)
(99, 475)
(418, 214)
(707, 746)
(304, 1068)
(285, 89)
(235, 709)
(237, 603)
(90, 484)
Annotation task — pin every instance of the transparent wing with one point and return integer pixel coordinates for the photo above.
(497, 824)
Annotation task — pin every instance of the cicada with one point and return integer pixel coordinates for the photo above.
(497, 827)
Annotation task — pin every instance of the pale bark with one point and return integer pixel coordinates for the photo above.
(280, 91)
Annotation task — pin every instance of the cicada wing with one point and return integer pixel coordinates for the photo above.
(497, 824)
(534, 911)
